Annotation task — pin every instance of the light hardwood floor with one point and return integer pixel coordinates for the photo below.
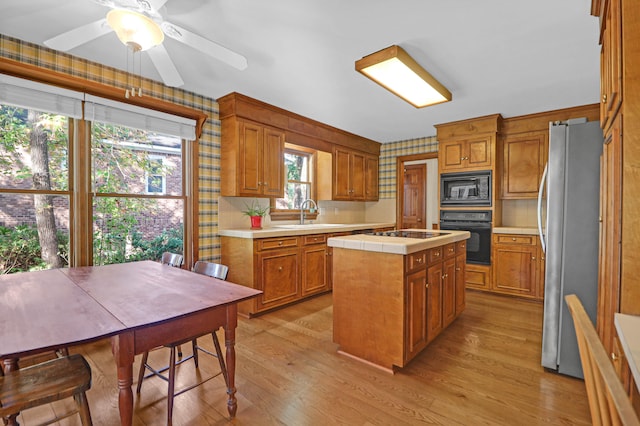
(483, 370)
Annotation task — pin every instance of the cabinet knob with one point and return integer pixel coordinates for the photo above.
(614, 356)
(426, 285)
(266, 183)
(436, 254)
(279, 243)
(279, 268)
(458, 269)
(533, 258)
(513, 238)
(259, 183)
(604, 99)
(419, 260)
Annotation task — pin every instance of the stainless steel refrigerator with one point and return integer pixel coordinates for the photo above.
(570, 237)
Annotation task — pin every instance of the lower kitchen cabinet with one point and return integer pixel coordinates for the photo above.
(460, 273)
(286, 269)
(517, 266)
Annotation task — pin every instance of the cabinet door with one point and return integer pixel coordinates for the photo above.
(434, 301)
(273, 163)
(448, 291)
(371, 178)
(279, 278)
(416, 313)
(451, 155)
(250, 161)
(357, 176)
(514, 269)
(524, 157)
(461, 261)
(341, 167)
(314, 269)
(479, 153)
(611, 63)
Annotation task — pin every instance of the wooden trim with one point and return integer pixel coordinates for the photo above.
(298, 129)
(469, 127)
(35, 73)
(540, 121)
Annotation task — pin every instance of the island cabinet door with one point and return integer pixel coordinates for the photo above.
(461, 260)
(448, 291)
(279, 278)
(434, 301)
(416, 311)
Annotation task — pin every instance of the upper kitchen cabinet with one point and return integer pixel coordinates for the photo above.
(253, 136)
(355, 176)
(610, 60)
(523, 146)
(468, 144)
(253, 162)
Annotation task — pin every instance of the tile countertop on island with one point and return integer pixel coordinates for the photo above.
(397, 245)
(515, 230)
(286, 230)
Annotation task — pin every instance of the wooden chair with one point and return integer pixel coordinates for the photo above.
(608, 402)
(206, 268)
(45, 383)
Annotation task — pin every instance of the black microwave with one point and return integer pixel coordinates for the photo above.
(465, 188)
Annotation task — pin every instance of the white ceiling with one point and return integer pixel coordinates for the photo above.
(511, 57)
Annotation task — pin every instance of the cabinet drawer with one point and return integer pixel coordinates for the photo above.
(461, 247)
(416, 261)
(449, 250)
(276, 243)
(435, 254)
(314, 239)
(515, 239)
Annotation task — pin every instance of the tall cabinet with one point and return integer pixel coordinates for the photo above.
(619, 287)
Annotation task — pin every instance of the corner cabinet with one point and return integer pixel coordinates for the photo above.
(252, 162)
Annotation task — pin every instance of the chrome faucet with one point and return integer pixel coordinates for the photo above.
(302, 209)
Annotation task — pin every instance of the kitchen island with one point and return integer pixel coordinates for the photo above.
(394, 293)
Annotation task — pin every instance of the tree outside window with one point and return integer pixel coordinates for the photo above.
(299, 179)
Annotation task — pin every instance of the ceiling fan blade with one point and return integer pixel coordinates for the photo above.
(205, 46)
(81, 35)
(163, 63)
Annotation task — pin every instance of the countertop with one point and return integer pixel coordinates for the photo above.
(628, 328)
(397, 245)
(515, 230)
(306, 229)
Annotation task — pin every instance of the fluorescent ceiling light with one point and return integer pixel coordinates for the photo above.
(395, 70)
(135, 29)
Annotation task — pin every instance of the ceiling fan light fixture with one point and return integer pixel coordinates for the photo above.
(135, 29)
(396, 71)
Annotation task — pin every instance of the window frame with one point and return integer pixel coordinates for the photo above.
(294, 214)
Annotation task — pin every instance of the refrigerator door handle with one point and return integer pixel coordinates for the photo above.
(543, 181)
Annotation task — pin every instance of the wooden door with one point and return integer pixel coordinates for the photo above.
(479, 153)
(357, 176)
(413, 198)
(273, 163)
(279, 277)
(514, 269)
(448, 291)
(416, 288)
(341, 167)
(451, 155)
(250, 173)
(524, 158)
(434, 301)
(461, 261)
(314, 269)
(371, 178)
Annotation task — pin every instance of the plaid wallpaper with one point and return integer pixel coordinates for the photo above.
(388, 154)
(209, 169)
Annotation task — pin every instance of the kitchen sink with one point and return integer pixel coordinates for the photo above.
(309, 225)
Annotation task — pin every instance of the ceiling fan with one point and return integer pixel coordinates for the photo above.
(149, 9)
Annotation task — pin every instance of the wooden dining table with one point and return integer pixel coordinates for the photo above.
(139, 305)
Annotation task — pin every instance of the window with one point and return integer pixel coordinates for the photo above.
(130, 194)
(300, 169)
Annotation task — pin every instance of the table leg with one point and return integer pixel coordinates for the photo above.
(122, 349)
(10, 364)
(230, 341)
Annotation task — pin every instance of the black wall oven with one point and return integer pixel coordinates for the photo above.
(478, 223)
(465, 188)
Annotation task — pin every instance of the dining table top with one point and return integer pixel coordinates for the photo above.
(44, 310)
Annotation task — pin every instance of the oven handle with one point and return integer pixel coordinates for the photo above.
(464, 226)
